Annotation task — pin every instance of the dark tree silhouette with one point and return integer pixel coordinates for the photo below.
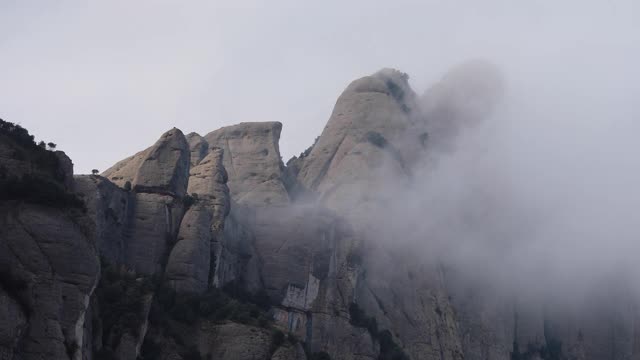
(52, 146)
(95, 171)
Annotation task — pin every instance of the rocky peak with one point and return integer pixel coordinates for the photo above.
(372, 110)
(166, 167)
(198, 146)
(162, 168)
(253, 162)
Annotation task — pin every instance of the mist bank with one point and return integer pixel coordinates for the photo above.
(537, 197)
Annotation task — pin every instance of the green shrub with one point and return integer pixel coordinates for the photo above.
(376, 139)
(9, 282)
(359, 319)
(38, 190)
(188, 201)
(321, 355)
(215, 304)
(389, 350)
(121, 297)
(105, 354)
(191, 353)
(71, 347)
(551, 351)
(37, 153)
(277, 339)
(395, 90)
(150, 349)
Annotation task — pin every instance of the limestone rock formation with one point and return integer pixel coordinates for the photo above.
(252, 159)
(162, 168)
(112, 210)
(188, 268)
(209, 247)
(48, 260)
(51, 270)
(235, 342)
(198, 146)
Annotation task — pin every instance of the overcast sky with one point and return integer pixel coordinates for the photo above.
(104, 79)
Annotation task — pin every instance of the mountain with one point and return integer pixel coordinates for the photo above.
(210, 247)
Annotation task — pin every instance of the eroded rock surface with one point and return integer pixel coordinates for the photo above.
(252, 159)
(162, 168)
(308, 245)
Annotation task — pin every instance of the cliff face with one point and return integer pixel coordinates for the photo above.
(49, 264)
(209, 247)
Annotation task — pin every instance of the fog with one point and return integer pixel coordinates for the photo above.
(539, 199)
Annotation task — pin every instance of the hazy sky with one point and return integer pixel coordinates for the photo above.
(103, 79)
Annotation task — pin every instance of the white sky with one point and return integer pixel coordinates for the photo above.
(103, 79)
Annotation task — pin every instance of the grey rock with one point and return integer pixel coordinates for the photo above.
(50, 253)
(381, 104)
(289, 352)
(154, 227)
(198, 146)
(209, 181)
(189, 263)
(14, 324)
(112, 210)
(166, 168)
(252, 159)
(232, 341)
(161, 168)
(65, 170)
(236, 258)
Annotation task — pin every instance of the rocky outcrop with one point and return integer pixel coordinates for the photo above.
(156, 218)
(112, 210)
(289, 352)
(303, 250)
(48, 259)
(20, 158)
(252, 159)
(162, 168)
(166, 168)
(158, 177)
(14, 324)
(190, 263)
(198, 146)
(234, 342)
(375, 110)
(51, 271)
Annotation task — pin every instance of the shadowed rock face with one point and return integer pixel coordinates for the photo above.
(47, 251)
(112, 209)
(252, 159)
(198, 146)
(158, 177)
(48, 261)
(189, 265)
